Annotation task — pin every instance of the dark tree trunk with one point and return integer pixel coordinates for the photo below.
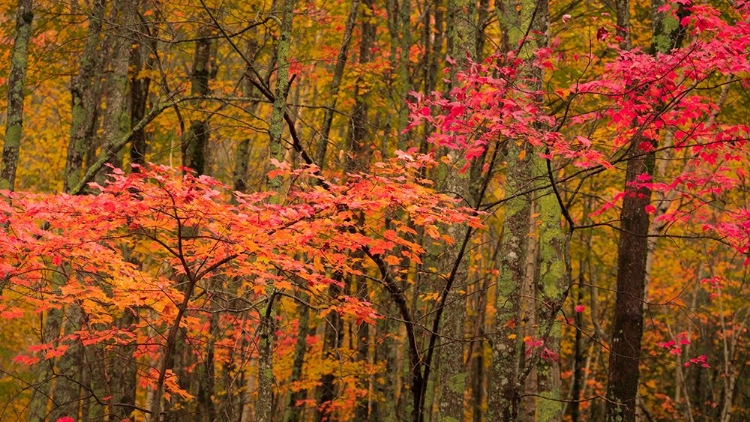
(196, 139)
(627, 328)
(142, 58)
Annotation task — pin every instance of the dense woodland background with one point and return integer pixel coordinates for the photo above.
(573, 245)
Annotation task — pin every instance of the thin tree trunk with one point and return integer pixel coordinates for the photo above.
(42, 380)
(16, 86)
(84, 90)
(65, 393)
(515, 17)
(294, 412)
(338, 73)
(552, 279)
(196, 139)
(206, 374)
(242, 154)
(276, 130)
(142, 58)
(627, 327)
(452, 371)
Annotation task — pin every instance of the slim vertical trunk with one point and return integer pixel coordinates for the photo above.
(452, 371)
(363, 342)
(40, 396)
(552, 281)
(632, 269)
(16, 86)
(515, 17)
(357, 136)
(206, 409)
(294, 412)
(578, 359)
(338, 73)
(399, 28)
(242, 154)
(116, 121)
(142, 58)
(85, 91)
(276, 149)
(627, 327)
(266, 394)
(333, 337)
(65, 393)
(196, 139)
(123, 373)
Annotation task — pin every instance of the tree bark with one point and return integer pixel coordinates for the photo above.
(633, 247)
(276, 130)
(338, 73)
(85, 90)
(196, 139)
(515, 17)
(116, 121)
(632, 250)
(142, 58)
(627, 328)
(452, 371)
(16, 87)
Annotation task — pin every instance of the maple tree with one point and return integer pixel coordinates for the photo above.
(512, 210)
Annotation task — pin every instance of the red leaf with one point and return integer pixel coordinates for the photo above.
(602, 34)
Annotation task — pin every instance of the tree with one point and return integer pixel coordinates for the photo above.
(16, 94)
(345, 284)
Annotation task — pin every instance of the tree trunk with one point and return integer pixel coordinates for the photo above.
(633, 247)
(116, 121)
(276, 130)
(515, 17)
(338, 73)
(294, 412)
(142, 58)
(65, 393)
(196, 139)
(16, 86)
(627, 328)
(452, 372)
(552, 282)
(85, 91)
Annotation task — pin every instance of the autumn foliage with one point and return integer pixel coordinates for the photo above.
(426, 224)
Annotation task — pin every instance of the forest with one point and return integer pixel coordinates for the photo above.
(375, 211)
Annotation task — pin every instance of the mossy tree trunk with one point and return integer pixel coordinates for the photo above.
(16, 94)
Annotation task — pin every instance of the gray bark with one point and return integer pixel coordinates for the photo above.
(116, 119)
(276, 130)
(85, 91)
